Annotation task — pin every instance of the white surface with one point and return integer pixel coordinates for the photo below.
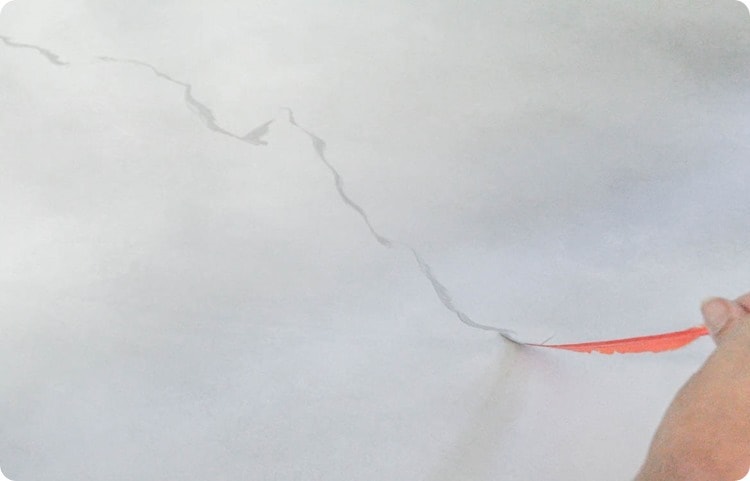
(180, 302)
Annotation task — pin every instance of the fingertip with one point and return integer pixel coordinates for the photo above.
(716, 312)
(744, 301)
(720, 314)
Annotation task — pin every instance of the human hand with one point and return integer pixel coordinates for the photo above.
(705, 433)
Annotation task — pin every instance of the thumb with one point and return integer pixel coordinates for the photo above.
(725, 320)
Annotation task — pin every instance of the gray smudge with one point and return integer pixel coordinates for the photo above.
(47, 54)
(256, 135)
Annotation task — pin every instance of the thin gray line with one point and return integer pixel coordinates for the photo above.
(254, 137)
(53, 58)
(319, 145)
(441, 291)
(447, 301)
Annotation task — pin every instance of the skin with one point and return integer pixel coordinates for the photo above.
(705, 433)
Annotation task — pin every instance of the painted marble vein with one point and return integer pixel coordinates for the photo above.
(255, 137)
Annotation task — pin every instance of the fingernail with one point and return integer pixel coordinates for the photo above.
(715, 313)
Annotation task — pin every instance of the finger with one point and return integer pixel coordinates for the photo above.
(744, 301)
(724, 318)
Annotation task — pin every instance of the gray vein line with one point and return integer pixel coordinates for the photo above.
(319, 145)
(254, 137)
(447, 301)
(441, 291)
(53, 58)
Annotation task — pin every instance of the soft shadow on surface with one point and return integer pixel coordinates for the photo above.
(472, 454)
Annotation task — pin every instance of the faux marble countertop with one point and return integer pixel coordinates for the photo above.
(254, 240)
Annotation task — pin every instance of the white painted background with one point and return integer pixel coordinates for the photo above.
(178, 302)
